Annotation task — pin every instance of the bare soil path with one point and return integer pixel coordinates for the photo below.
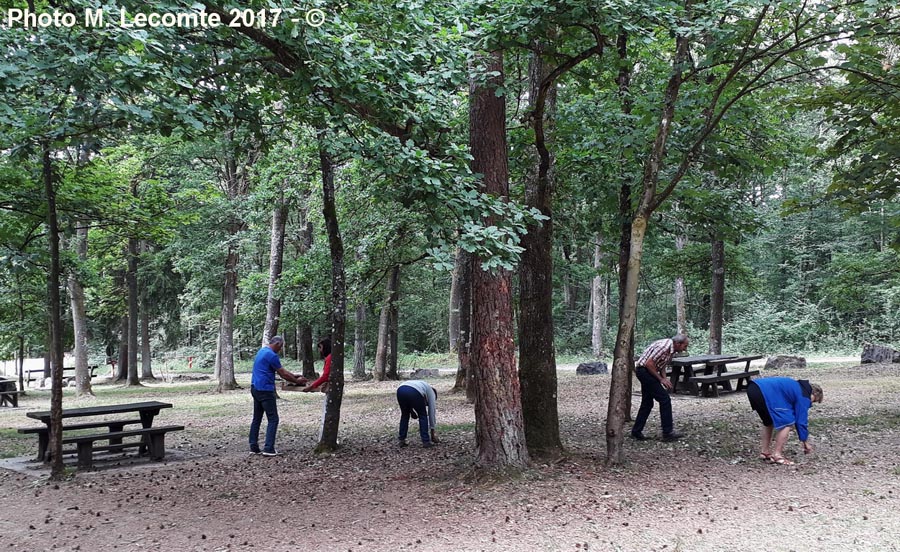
(704, 493)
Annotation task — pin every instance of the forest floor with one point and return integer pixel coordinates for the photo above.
(707, 492)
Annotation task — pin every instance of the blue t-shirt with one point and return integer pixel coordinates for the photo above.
(264, 367)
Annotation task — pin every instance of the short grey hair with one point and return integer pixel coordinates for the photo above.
(679, 338)
(276, 339)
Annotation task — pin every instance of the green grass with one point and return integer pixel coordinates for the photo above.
(16, 444)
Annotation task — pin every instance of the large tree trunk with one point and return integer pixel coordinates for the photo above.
(680, 309)
(453, 322)
(359, 343)
(382, 349)
(331, 420)
(621, 373)
(717, 297)
(599, 300)
(56, 347)
(133, 313)
(276, 257)
(79, 318)
(537, 356)
(499, 429)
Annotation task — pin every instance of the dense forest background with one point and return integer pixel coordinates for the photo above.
(811, 262)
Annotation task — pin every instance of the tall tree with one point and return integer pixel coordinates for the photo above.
(537, 356)
(276, 260)
(499, 429)
(335, 393)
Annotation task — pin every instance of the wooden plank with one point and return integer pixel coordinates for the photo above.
(44, 415)
(119, 434)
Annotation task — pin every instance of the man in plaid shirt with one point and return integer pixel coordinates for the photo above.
(650, 370)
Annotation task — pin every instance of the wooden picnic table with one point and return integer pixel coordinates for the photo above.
(9, 395)
(147, 411)
(683, 368)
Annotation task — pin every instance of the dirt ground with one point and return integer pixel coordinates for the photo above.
(707, 492)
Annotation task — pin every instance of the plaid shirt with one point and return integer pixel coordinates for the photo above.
(660, 351)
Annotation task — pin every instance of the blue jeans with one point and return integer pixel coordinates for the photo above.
(652, 390)
(411, 400)
(263, 401)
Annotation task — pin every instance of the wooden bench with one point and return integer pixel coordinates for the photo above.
(43, 432)
(153, 440)
(10, 398)
(70, 369)
(717, 374)
(709, 384)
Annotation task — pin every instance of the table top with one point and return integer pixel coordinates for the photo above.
(44, 415)
(699, 359)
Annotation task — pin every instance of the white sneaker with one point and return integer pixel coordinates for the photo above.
(271, 453)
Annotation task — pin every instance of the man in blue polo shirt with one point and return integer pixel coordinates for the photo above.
(262, 389)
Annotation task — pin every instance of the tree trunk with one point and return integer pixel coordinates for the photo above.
(394, 328)
(133, 314)
(382, 359)
(79, 318)
(359, 343)
(276, 256)
(623, 354)
(56, 346)
(331, 420)
(617, 414)
(599, 300)
(537, 356)
(717, 297)
(680, 310)
(146, 355)
(453, 323)
(465, 372)
(394, 340)
(499, 429)
(306, 350)
(226, 329)
(122, 368)
(626, 213)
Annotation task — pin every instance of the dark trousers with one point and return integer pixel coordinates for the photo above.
(263, 401)
(411, 400)
(652, 390)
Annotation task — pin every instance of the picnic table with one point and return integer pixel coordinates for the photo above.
(703, 374)
(68, 371)
(9, 395)
(152, 439)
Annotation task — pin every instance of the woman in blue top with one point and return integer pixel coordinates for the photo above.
(782, 403)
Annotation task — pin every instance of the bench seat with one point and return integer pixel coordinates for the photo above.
(44, 432)
(710, 383)
(153, 438)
